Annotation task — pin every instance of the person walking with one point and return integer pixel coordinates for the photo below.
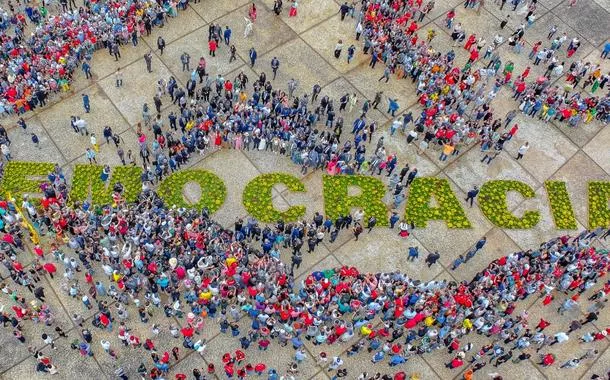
(86, 103)
(522, 150)
(252, 54)
(275, 65)
(432, 258)
(292, 86)
(472, 194)
(386, 75)
(227, 35)
(90, 154)
(148, 60)
(87, 70)
(185, 58)
(35, 141)
(118, 76)
(160, 44)
(338, 49)
(212, 46)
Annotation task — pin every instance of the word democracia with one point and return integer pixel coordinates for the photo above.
(428, 198)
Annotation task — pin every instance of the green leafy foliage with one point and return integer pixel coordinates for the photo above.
(599, 213)
(87, 183)
(16, 180)
(213, 190)
(561, 206)
(337, 202)
(492, 200)
(449, 209)
(258, 197)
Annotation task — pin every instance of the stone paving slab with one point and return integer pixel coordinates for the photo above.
(68, 362)
(267, 32)
(186, 21)
(129, 99)
(210, 10)
(56, 119)
(196, 45)
(598, 150)
(309, 13)
(104, 64)
(381, 251)
(47, 150)
(588, 19)
(297, 61)
(333, 30)
(549, 149)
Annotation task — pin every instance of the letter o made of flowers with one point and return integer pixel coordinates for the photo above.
(258, 198)
(213, 190)
(492, 200)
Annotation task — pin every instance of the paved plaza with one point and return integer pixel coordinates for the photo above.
(304, 45)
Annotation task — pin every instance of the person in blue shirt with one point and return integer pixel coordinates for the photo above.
(396, 360)
(252, 56)
(86, 103)
(393, 106)
(413, 253)
(606, 50)
(457, 262)
(359, 125)
(378, 357)
(227, 35)
(394, 219)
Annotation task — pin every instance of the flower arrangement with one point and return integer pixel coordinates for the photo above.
(492, 201)
(337, 202)
(87, 183)
(258, 198)
(599, 213)
(16, 180)
(213, 190)
(449, 209)
(561, 206)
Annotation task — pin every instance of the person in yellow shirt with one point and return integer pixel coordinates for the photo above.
(448, 148)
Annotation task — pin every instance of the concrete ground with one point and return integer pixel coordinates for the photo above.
(304, 46)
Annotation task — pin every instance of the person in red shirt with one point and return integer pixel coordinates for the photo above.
(263, 344)
(213, 46)
(542, 325)
(547, 360)
(513, 131)
(455, 363)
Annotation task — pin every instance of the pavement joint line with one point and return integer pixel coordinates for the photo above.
(587, 154)
(197, 13)
(592, 363)
(552, 11)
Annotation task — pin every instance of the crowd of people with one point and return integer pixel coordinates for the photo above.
(156, 257)
(146, 256)
(42, 47)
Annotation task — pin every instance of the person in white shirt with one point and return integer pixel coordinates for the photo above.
(522, 150)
